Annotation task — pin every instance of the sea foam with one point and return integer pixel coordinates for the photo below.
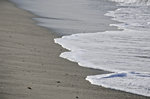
(138, 2)
(126, 52)
(116, 51)
(137, 83)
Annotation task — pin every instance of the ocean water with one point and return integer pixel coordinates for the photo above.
(67, 17)
(126, 53)
(84, 27)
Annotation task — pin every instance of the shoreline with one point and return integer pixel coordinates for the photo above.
(31, 67)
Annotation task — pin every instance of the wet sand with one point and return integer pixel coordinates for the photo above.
(30, 67)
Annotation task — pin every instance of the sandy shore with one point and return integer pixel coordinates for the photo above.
(30, 67)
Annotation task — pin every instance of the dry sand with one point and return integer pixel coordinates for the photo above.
(30, 67)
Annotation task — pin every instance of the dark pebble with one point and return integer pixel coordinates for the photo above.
(29, 88)
(58, 81)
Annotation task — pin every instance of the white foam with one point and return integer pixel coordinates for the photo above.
(126, 50)
(117, 51)
(147, 2)
(114, 51)
(132, 42)
(137, 83)
(132, 17)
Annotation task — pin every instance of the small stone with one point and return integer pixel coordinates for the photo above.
(77, 97)
(29, 88)
(58, 81)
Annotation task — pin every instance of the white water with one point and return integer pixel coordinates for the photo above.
(125, 81)
(127, 52)
(138, 2)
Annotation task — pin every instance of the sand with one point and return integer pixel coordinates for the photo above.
(30, 67)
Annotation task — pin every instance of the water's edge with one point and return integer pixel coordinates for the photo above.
(73, 60)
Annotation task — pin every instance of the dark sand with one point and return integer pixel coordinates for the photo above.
(30, 67)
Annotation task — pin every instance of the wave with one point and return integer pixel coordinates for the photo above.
(145, 2)
(126, 53)
(126, 81)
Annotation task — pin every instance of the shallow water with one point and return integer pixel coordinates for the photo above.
(70, 16)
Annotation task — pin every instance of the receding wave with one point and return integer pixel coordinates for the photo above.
(124, 52)
(147, 2)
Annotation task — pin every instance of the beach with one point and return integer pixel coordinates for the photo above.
(30, 66)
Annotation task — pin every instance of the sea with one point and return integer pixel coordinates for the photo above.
(110, 35)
